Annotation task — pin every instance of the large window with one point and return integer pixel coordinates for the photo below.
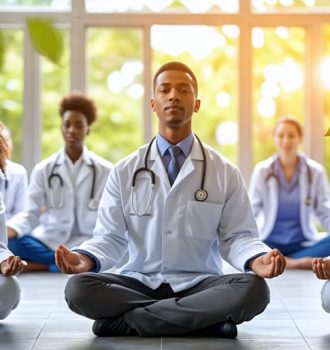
(256, 60)
(115, 81)
(214, 61)
(11, 88)
(278, 82)
(55, 84)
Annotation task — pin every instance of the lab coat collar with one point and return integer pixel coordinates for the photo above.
(156, 165)
(303, 161)
(195, 154)
(61, 155)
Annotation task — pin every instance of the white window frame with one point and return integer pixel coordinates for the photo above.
(78, 20)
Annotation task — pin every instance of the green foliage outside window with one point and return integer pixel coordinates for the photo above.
(11, 87)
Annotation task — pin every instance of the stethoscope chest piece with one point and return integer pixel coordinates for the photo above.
(201, 195)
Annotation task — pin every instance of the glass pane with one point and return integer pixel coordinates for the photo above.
(115, 82)
(11, 88)
(214, 61)
(54, 85)
(289, 5)
(55, 5)
(172, 6)
(325, 76)
(278, 82)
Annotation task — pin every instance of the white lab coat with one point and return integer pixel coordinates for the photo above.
(182, 239)
(10, 290)
(53, 226)
(4, 252)
(264, 198)
(17, 181)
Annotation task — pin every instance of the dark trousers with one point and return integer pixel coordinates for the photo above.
(160, 312)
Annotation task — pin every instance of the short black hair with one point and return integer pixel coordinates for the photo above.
(79, 102)
(174, 65)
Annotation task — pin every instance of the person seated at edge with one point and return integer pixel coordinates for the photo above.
(63, 193)
(14, 184)
(287, 192)
(10, 265)
(172, 283)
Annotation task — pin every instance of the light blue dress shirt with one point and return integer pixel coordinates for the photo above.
(164, 145)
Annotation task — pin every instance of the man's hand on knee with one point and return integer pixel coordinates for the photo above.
(269, 265)
(72, 262)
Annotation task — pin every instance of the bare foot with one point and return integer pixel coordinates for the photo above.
(300, 263)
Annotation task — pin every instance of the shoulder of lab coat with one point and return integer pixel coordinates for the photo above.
(13, 168)
(321, 192)
(17, 186)
(28, 219)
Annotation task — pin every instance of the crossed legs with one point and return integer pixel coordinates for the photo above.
(160, 312)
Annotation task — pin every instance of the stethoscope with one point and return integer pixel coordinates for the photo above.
(93, 203)
(200, 194)
(4, 187)
(308, 200)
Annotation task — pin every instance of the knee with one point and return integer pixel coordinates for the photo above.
(14, 245)
(258, 291)
(325, 296)
(10, 293)
(77, 291)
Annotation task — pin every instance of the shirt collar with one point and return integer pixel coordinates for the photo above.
(185, 144)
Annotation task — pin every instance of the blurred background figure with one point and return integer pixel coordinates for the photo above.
(9, 265)
(64, 191)
(287, 192)
(13, 185)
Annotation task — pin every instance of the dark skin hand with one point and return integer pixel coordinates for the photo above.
(72, 262)
(321, 268)
(269, 265)
(12, 266)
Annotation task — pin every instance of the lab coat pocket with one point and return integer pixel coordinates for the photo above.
(202, 219)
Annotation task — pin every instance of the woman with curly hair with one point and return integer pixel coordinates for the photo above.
(63, 193)
(10, 265)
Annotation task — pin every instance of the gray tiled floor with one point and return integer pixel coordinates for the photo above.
(293, 320)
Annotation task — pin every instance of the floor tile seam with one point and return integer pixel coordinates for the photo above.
(295, 323)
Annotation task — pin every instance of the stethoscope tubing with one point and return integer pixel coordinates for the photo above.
(200, 194)
(54, 175)
(308, 199)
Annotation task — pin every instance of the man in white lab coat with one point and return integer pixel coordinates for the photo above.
(187, 209)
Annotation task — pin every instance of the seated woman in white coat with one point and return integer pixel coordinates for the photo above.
(9, 265)
(63, 193)
(288, 191)
(13, 185)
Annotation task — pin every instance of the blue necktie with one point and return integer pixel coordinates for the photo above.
(173, 167)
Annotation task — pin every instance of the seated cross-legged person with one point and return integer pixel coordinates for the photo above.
(63, 193)
(10, 265)
(287, 192)
(173, 232)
